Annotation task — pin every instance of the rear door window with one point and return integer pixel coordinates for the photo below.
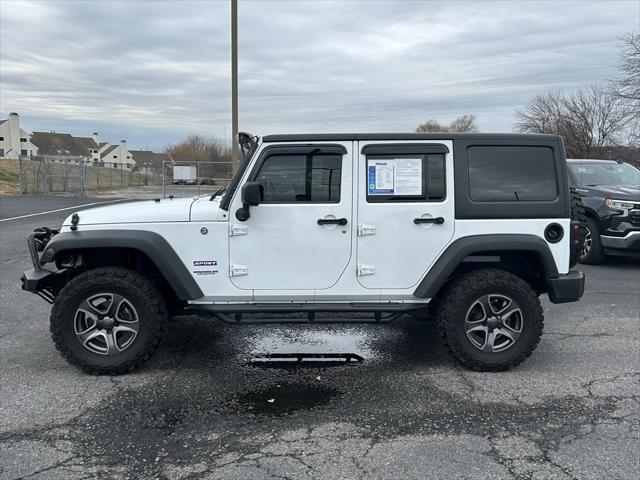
(413, 177)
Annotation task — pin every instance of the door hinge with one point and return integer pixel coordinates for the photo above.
(236, 230)
(364, 230)
(364, 269)
(238, 270)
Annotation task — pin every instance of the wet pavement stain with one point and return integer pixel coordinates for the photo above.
(285, 399)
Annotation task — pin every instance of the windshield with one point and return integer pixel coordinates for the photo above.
(612, 174)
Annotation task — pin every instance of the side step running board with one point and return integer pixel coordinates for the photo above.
(307, 307)
(235, 313)
(236, 318)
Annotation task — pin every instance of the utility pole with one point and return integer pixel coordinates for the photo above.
(234, 85)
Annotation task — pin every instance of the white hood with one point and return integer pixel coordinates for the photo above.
(146, 211)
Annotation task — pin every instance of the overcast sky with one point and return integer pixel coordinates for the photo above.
(155, 71)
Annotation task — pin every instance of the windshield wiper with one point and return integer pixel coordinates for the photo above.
(220, 191)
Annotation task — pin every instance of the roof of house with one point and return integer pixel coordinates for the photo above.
(2, 121)
(62, 144)
(106, 152)
(88, 142)
(142, 158)
(147, 158)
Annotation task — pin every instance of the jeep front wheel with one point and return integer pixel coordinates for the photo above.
(490, 320)
(108, 320)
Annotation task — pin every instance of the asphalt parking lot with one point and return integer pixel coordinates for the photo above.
(200, 409)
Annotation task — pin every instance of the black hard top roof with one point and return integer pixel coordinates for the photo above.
(328, 137)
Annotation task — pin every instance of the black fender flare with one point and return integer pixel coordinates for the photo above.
(163, 256)
(478, 244)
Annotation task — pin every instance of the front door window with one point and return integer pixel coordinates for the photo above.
(301, 178)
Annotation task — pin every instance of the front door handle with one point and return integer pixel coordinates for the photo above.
(436, 220)
(332, 221)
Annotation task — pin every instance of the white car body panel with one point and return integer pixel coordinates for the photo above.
(147, 211)
(531, 226)
(401, 251)
(284, 248)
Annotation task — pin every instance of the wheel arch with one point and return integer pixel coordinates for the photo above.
(590, 212)
(130, 248)
(527, 256)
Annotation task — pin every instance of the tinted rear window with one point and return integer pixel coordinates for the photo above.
(511, 174)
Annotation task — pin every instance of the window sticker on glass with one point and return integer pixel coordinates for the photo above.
(395, 176)
(380, 177)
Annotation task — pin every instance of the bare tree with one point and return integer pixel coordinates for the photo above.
(464, 123)
(588, 119)
(628, 86)
(430, 126)
(216, 157)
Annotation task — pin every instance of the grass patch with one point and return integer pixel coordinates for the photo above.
(39, 178)
(9, 177)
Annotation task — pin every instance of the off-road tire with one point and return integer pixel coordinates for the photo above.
(139, 291)
(595, 255)
(458, 297)
(577, 215)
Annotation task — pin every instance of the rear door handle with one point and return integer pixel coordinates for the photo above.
(436, 220)
(332, 221)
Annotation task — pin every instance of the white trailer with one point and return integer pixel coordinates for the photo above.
(184, 174)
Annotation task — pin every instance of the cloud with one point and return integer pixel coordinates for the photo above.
(153, 71)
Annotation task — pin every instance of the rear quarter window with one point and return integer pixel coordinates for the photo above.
(511, 173)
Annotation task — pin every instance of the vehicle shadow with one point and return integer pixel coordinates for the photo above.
(622, 262)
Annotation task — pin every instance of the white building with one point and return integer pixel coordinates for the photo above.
(116, 155)
(14, 141)
(61, 147)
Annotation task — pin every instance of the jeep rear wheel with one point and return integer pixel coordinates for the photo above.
(490, 320)
(108, 320)
(578, 215)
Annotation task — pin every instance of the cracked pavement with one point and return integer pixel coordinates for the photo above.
(200, 410)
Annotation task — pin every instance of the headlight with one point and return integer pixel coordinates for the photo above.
(611, 203)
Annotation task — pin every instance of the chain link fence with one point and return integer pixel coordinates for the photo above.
(80, 176)
(185, 179)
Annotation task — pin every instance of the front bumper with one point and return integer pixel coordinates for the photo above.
(38, 282)
(627, 245)
(567, 288)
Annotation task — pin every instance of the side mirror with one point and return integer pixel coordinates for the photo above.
(243, 214)
(252, 193)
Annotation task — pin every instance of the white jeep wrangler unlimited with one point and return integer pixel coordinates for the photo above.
(468, 228)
